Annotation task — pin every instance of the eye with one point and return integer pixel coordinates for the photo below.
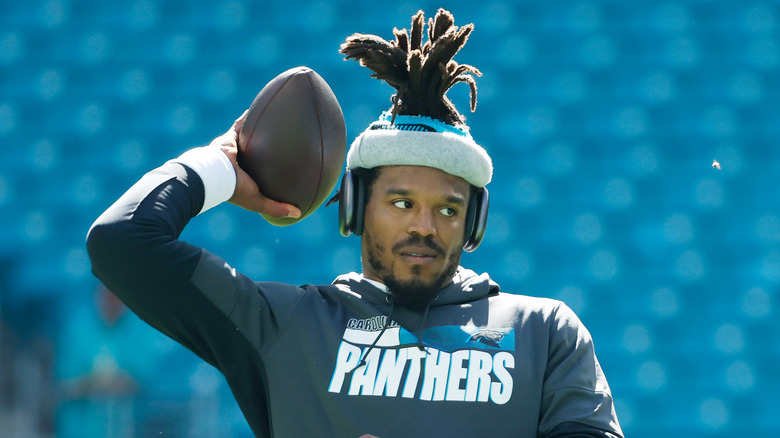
(402, 203)
(448, 211)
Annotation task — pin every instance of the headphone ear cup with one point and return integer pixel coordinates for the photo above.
(360, 205)
(351, 204)
(471, 213)
(476, 219)
(347, 204)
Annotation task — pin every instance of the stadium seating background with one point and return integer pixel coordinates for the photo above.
(603, 119)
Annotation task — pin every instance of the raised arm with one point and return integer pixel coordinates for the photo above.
(135, 250)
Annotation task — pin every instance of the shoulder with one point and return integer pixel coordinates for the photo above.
(531, 305)
(553, 314)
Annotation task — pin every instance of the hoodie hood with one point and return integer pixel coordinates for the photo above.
(466, 286)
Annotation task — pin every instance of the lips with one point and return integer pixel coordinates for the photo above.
(414, 260)
(416, 250)
(417, 255)
(422, 251)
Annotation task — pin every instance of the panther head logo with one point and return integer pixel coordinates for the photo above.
(490, 337)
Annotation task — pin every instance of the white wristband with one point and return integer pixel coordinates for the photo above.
(216, 171)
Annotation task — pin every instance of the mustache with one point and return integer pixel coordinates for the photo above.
(417, 240)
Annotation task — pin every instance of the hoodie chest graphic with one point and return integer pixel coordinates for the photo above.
(451, 363)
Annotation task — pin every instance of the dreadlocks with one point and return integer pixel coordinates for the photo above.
(422, 128)
(421, 74)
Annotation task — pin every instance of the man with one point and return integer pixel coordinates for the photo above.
(415, 345)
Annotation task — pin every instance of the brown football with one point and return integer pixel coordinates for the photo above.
(293, 141)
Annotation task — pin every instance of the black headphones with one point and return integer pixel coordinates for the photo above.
(352, 204)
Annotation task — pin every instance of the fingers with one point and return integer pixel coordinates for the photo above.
(277, 209)
(262, 204)
(230, 138)
(239, 123)
(247, 195)
(228, 141)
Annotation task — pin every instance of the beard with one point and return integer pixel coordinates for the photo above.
(415, 293)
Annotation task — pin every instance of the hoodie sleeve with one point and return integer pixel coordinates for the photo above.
(576, 399)
(182, 290)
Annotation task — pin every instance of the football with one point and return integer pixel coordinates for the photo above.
(293, 141)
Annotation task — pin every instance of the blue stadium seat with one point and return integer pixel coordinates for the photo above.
(603, 120)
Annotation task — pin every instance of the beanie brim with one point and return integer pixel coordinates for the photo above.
(455, 154)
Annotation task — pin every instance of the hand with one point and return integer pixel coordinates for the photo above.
(247, 195)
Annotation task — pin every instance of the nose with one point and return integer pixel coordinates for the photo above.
(422, 223)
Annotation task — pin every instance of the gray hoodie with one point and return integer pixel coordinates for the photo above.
(341, 360)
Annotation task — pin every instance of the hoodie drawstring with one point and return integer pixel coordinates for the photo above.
(385, 326)
(381, 332)
(422, 326)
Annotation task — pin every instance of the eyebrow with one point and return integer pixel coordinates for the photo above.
(452, 199)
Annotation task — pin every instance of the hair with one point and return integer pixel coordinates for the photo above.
(420, 73)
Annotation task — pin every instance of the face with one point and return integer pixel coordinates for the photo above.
(413, 231)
